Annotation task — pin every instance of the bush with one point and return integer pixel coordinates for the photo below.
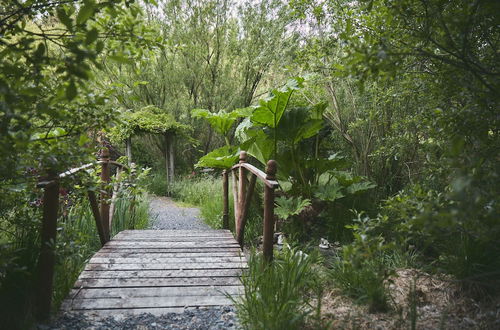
(276, 295)
(77, 240)
(156, 184)
(362, 270)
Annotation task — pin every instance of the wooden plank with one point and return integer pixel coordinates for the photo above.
(147, 266)
(127, 274)
(132, 244)
(160, 282)
(200, 235)
(125, 293)
(152, 232)
(149, 302)
(178, 260)
(173, 239)
(170, 250)
(132, 254)
(159, 271)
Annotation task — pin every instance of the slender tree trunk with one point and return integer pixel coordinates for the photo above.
(167, 147)
(171, 159)
(128, 143)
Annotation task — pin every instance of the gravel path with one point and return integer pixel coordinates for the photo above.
(200, 319)
(166, 214)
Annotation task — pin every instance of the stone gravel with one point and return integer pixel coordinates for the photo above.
(216, 318)
(165, 214)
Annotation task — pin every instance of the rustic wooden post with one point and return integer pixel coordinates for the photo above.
(105, 179)
(241, 189)
(225, 200)
(269, 211)
(97, 217)
(235, 198)
(244, 211)
(46, 260)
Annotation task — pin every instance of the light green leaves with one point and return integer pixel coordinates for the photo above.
(224, 157)
(85, 11)
(330, 192)
(271, 109)
(221, 121)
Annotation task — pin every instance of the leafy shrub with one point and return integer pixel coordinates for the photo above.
(276, 294)
(457, 233)
(157, 184)
(362, 270)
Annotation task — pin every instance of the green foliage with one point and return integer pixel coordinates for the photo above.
(362, 271)
(204, 192)
(221, 121)
(148, 119)
(224, 157)
(287, 207)
(49, 51)
(276, 294)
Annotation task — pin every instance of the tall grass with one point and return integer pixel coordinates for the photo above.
(205, 192)
(76, 241)
(78, 238)
(277, 295)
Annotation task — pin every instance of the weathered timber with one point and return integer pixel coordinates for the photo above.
(46, 260)
(159, 271)
(225, 197)
(174, 273)
(105, 179)
(268, 235)
(97, 217)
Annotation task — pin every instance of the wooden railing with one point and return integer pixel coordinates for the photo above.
(243, 191)
(103, 215)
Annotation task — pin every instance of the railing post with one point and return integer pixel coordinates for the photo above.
(97, 216)
(225, 200)
(241, 192)
(46, 260)
(105, 179)
(269, 211)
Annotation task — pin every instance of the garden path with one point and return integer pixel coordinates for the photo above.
(180, 263)
(166, 214)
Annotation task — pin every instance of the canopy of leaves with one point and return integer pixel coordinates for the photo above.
(149, 119)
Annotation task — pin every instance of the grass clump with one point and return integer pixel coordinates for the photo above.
(204, 192)
(277, 294)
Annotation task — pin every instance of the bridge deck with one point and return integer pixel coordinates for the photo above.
(159, 271)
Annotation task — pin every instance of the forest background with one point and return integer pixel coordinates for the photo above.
(387, 141)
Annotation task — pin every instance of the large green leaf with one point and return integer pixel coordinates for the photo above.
(221, 121)
(271, 109)
(330, 192)
(224, 157)
(290, 206)
(297, 125)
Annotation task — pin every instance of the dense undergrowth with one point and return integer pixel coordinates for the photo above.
(77, 240)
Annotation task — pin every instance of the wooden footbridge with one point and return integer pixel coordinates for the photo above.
(156, 271)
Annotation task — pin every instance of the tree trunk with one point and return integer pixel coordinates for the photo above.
(167, 147)
(128, 144)
(171, 159)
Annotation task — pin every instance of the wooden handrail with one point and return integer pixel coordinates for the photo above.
(243, 192)
(260, 174)
(102, 216)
